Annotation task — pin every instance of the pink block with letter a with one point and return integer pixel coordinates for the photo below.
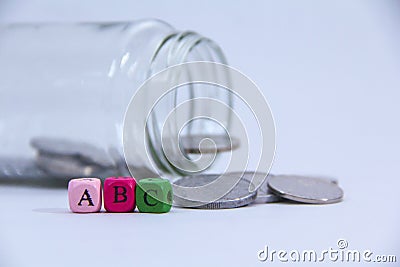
(84, 195)
(119, 194)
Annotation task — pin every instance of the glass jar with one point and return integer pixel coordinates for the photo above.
(64, 89)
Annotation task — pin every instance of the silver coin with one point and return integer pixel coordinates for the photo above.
(20, 169)
(264, 190)
(254, 176)
(326, 178)
(330, 179)
(305, 189)
(63, 147)
(65, 166)
(264, 195)
(190, 143)
(241, 194)
(267, 198)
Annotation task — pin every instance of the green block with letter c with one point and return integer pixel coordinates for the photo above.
(154, 195)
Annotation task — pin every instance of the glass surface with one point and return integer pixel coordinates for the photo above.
(64, 89)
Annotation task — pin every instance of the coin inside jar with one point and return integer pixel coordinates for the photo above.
(60, 147)
(220, 143)
(64, 166)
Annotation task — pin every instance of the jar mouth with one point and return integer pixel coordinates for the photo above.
(177, 48)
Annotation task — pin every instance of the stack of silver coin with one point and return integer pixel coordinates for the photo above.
(275, 188)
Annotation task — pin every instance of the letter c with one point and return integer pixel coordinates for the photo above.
(146, 200)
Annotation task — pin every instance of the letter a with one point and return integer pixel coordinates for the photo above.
(86, 197)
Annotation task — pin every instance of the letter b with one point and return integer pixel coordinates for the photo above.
(119, 194)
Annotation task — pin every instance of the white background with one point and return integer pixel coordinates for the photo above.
(331, 73)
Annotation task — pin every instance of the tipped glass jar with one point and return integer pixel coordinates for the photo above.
(64, 89)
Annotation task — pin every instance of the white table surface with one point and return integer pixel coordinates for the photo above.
(330, 71)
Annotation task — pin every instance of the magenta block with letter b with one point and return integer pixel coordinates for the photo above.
(119, 194)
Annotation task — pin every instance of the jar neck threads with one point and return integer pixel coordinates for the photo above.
(186, 46)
